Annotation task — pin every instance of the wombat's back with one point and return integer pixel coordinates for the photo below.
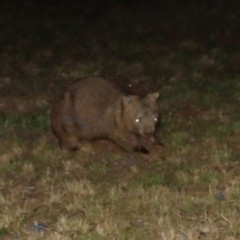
(94, 94)
(95, 103)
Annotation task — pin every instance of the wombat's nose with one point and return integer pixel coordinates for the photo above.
(150, 130)
(147, 131)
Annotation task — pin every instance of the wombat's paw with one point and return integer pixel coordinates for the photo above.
(152, 140)
(143, 150)
(69, 145)
(69, 148)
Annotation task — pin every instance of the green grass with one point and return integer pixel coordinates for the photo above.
(184, 190)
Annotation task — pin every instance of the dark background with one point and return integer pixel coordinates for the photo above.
(113, 34)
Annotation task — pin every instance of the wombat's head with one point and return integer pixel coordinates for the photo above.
(140, 114)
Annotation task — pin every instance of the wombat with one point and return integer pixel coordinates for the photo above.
(94, 108)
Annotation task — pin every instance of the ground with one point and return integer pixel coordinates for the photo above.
(189, 188)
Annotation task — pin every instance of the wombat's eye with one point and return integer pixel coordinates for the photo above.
(155, 119)
(137, 120)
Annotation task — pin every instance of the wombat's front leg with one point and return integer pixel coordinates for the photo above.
(68, 142)
(149, 142)
(68, 137)
(127, 142)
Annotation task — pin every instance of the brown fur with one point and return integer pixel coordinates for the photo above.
(95, 109)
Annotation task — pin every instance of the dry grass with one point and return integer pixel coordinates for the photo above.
(187, 190)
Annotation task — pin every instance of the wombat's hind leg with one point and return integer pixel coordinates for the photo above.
(68, 143)
(142, 150)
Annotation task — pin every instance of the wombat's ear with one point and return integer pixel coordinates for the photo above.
(153, 96)
(125, 99)
(156, 94)
(129, 99)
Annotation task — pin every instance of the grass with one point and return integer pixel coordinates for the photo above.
(188, 189)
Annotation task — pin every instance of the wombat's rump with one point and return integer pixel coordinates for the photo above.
(93, 108)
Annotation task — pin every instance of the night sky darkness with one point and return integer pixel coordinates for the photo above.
(210, 22)
(86, 30)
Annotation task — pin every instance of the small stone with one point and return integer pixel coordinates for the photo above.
(15, 237)
(30, 188)
(203, 228)
(137, 223)
(219, 196)
(131, 161)
(38, 227)
(184, 237)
